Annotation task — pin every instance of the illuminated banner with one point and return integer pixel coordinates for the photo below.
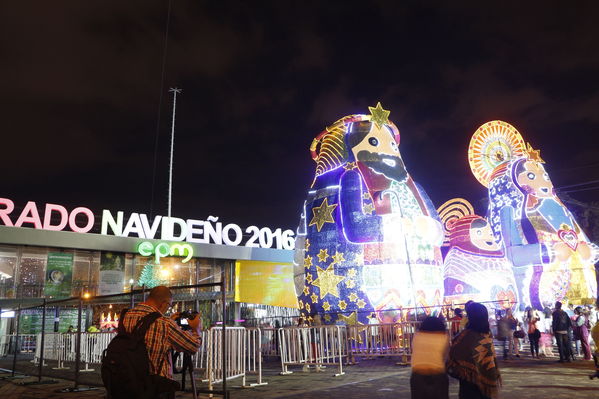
(81, 220)
(266, 283)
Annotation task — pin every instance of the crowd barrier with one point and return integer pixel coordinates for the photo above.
(25, 344)
(319, 346)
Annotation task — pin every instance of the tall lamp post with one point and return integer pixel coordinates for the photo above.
(175, 91)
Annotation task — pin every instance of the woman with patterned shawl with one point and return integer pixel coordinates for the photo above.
(472, 357)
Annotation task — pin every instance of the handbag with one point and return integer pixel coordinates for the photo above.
(519, 334)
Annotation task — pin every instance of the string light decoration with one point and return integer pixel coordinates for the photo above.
(150, 275)
(552, 257)
(369, 237)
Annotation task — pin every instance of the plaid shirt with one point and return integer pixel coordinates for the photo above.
(163, 335)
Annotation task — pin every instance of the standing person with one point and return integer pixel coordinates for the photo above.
(504, 334)
(581, 331)
(472, 357)
(562, 326)
(454, 322)
(514, 343)
(164, 334)
(464, 320)
(430, 348)
(534, 334)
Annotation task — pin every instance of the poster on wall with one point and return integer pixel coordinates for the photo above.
(112, 273)
(59, 275)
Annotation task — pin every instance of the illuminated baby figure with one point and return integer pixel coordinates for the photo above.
(552, 257)
(369, 237)
(475, 267)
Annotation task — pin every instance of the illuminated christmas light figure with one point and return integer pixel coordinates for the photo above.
(552, 257)
(475, 266)
(377, 226)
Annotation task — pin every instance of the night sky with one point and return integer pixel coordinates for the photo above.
(82, 85)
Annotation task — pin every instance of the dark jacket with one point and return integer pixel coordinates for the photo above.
(561, 321)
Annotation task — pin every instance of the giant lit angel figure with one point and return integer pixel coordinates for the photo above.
(369, 237)
(552, 257)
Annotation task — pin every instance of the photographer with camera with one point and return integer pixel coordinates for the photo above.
(162, 336)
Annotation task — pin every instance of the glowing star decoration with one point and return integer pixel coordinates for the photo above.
(379, 116)
(306, 291)
(323, 214)
(475, 268)
(353, 297)
(308, 262)
(326, 306)
(323, 255)
(379, 228)
(533, 154)
(368, 209)
(338, 258)
(314, 298)
(533, 225)
(350, 166)
(327, 282)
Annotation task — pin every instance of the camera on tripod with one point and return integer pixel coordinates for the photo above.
(183, 317)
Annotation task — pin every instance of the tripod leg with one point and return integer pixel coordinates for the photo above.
(193, 383)
(183, 371)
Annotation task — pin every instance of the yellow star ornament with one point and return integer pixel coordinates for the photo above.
(322, 214)
(327, 281)
(353, 297)
(337, 258)
(314, 298)
(533, 154)
(342, 304)
(379, 116)
(326, 306)
(323, 255)
(308, 262)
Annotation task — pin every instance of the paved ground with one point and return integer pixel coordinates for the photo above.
(381, 378)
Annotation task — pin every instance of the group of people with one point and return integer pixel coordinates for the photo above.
(570, 329)
(466, 350)
(469, 357)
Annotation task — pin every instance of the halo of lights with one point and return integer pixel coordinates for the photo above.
(493, 144)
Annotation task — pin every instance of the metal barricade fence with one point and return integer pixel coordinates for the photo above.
(235, 356)
(253, 356)
(26, 343)
(269, 344)
(317, 345)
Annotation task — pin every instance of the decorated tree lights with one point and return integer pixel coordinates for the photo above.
(552, 257)
(369, 238)
(475, 266)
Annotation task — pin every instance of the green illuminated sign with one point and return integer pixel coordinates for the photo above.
(164, 249)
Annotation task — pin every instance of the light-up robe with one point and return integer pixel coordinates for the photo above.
(475, 267)
(552, 257)
(370, 220)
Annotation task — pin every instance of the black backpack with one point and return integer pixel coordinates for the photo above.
(125, 363)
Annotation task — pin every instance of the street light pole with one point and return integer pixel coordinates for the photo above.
(175, 91)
